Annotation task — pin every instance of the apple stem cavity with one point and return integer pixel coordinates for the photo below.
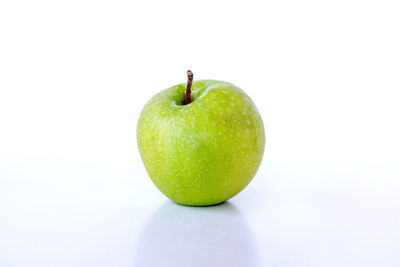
(189, 87)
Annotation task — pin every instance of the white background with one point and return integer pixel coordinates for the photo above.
(74, 76)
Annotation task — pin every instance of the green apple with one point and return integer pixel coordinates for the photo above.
(201, 144)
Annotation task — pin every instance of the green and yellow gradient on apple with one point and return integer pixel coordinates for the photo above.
(201, 143)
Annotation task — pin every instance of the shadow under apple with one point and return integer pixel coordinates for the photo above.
(196, 236)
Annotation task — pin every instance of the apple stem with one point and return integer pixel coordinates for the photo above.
(189, 86)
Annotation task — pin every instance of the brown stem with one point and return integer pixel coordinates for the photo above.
(189, 87)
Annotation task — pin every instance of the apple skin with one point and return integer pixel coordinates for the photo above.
(205, 152)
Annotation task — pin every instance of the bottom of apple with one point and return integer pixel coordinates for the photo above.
(198, 204)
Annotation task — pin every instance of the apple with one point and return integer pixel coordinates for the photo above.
(202, 143)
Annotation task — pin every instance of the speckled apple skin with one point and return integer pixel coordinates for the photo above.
(205, 152)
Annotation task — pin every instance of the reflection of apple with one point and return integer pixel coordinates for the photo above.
(185, 237)
(203, 144)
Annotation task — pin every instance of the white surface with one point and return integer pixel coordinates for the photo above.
(292, 214)
(74, 76)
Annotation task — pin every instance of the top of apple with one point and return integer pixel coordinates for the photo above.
(213, 103)
(184, 95)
